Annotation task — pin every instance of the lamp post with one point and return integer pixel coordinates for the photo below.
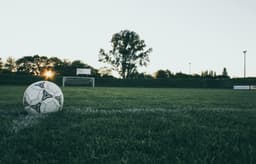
(244, 63)
(189, 67)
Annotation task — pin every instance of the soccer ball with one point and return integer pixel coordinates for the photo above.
(43, 97)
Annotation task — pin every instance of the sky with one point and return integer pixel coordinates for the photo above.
(209, 34)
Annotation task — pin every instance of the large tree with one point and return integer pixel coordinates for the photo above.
(127, 54)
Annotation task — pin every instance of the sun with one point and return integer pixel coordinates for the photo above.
(48, 74)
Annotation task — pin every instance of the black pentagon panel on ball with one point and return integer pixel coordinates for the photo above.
(41, 85)
(36, 107)
(46, 95)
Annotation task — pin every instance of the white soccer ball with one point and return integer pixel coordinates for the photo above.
(43, 97)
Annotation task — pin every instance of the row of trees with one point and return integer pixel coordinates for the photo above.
(167, 74)
(127, 54)
(36, 65)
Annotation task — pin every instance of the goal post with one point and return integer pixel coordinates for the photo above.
(78, 81)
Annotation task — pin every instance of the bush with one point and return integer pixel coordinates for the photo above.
(18, 79)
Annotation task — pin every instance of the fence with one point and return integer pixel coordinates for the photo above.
(16, 79)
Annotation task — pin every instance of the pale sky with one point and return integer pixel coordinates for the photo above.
(211, 34)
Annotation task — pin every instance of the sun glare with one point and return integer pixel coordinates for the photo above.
(48, 74)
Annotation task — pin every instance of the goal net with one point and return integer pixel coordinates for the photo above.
(78, 81)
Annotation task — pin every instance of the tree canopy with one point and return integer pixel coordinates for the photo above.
(32, 64)
(10, 65)
(37, 64)
(162, 74)
(127, 54)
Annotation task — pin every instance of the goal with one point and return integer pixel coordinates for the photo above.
(78, 81)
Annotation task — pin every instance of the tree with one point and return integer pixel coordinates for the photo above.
(24, 64)
(205, 73)
(212, 73)
(161, 74)
(182, 75)
(10, 65)
(55, 62)
(67, 68)
(62, 67)
(79, 64)
(105, 72)
(127, 54)
(1, 64)
(141, 76)
(76, 64)
(208, 74)
(169, 73)
(225, 72)
(32, 64)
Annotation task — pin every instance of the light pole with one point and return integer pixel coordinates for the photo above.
(189, 64)
(244, 63)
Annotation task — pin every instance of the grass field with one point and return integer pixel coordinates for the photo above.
(132, 125)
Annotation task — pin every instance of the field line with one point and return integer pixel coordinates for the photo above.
(25, 121)
(87, 110)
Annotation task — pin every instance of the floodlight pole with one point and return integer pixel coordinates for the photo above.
(244, 63)
(189, 67)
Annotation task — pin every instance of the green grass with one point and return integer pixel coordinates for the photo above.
(132, 125)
